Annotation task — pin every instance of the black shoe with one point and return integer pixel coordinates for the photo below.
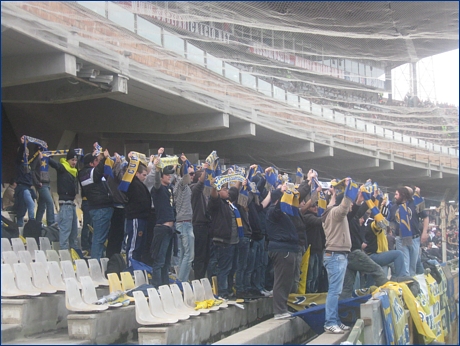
(241, 295)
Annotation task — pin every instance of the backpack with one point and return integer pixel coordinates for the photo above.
(10, 228)
(32, 229)
(51, 232)
(116, 264)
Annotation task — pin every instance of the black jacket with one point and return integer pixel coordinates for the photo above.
(221, 219)
(95, 186)
(67, 184)
(281, 232)
(199, 216)
(315, 232)
(139, 200)
(353, 216)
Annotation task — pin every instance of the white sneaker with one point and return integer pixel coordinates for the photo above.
(333, 330)
(266, 293)
(344, 327)
(285, 316)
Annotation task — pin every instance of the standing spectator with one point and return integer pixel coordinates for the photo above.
(8, 195)
(41, 179)
(225, 236)
(67, 186)
(96, 190)
(24, 195)
(201, 223)
(137, 214)
(338, 245)
(283, 249)
(184, 215)
(163, 199)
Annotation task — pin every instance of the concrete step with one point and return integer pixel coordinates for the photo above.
(59, 337)
(9, 332)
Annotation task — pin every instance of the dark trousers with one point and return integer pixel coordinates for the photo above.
(284, 264)
(161, 254)
(225, 254)
(202, 249)
(146, 254)
(116, 232)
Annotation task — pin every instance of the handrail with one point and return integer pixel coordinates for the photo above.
(356, 334)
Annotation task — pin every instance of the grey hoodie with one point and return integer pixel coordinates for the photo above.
(335, 225)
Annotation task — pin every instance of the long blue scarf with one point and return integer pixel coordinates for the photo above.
(405, 231)
(239, 221)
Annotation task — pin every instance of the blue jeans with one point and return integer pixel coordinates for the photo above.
(101, 224)
(224, 255)
(187, 249)
(30, 208)
(411, 254)
(314, 269)
(391, 256)
(336, 265)
(68, 227)
(250, 267)
(86, 236)
(161, 254)
(259, 268)
(242, 263)
(45, 201)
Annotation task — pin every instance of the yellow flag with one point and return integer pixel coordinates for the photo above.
(302, 289)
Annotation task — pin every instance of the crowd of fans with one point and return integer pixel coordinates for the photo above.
(249, 226)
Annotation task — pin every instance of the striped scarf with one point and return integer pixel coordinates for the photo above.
(239, 221)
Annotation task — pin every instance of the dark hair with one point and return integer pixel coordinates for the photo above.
(233, 194)
(404, 193)
(142, 168)
(197, 175)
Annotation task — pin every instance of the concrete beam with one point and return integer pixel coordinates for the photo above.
(320, 153)
(426, 174)
(180, 124)
(37, 68)
(373, 165)
(294, 149)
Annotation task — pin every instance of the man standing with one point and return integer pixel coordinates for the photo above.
(162, 196)
(100, 201)
(338, 245)
(67, 186)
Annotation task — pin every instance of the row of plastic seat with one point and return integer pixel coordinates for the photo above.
(17, 244)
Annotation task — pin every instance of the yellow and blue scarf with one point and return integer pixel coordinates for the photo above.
(239, 221)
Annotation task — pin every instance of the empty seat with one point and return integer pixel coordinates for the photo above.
(10, 257)
(156, 307)
(82, 270)
(31, 244)
(40, 278)
(127, 282)
(168, 303)
(52, 255)
(40, 256)
(17, 244)
(45, 243)
(74, 301)
(6, 245)
(104, 261)
(179, 301)
(198, 291)
(95, 272)
(23, 278)
(68, 271)
(64, 255)
(189, 297)
(24, 257)
(139, 278)
(208, 295)
(55, 276)
(9, 286)
(143, 314)
(88, 292)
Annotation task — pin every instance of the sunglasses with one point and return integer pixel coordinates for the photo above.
(192, 174)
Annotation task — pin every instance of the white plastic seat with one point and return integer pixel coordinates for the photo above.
(55, 276)
(95, 272)
(168, 303)
(68, 271)
(64, 255)
(45, 243)
(88, 292)
(74, 301)
(10, 257)
(143, 314)
(52, 255)
(179, 301)
(208, 295)
(17, 245)
(40, 278)
(6, 245)
(104, 261)
(24, 257)
(189, 297)
(40, 256)
(156, 307)
(9, 286)
(139, 278)
(82, 270)
(198, 290)
(31, 244)
(23, 279)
